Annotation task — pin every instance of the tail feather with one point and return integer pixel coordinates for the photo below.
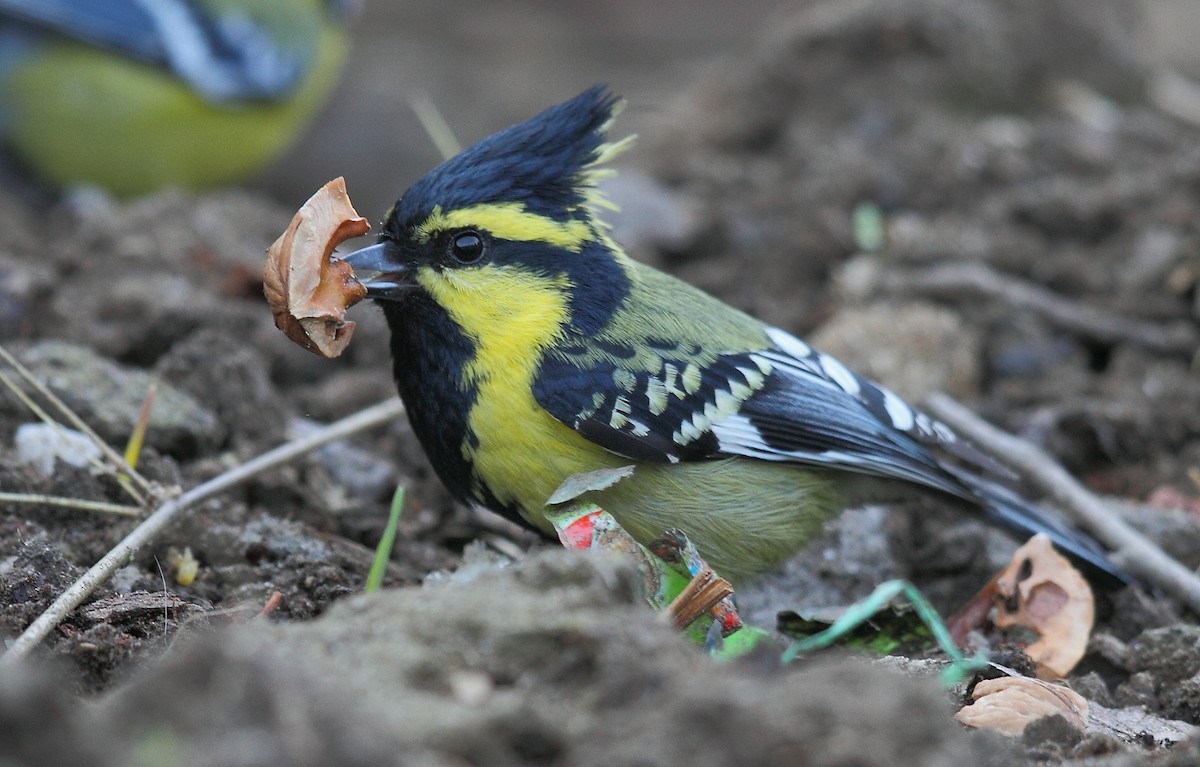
(1013, 512)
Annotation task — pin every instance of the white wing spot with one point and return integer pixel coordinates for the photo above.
(712, 412)
(898, 410)
(740, 391)
(727, 403)
(691, 378)
(689, 432)
(840, 374)
(753, 378)
(620, 413)
(624, 379)
(737, 431)
(789, 343)
(670, 372)
(656, 396)
(943, 432)
(762, 363)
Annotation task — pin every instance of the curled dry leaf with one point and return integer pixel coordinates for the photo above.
(1008, 704)
(1050, 597)
(309, 290)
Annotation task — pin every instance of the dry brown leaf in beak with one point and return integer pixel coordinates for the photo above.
(1043, 591)
(309, 290)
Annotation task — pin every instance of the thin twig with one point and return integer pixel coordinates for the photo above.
(166, 596)
(46, 418)
(435, 125)
(1086, 321)
(71, 503)
(273, 602)
(143, 533)
(1131, 550)
(78, 423)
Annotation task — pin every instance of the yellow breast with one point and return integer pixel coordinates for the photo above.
(518, 450)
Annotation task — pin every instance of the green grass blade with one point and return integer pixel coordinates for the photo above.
(383, 552)
(862, 610)
(133, 449)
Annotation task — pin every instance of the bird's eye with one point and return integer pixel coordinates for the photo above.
(467, 247)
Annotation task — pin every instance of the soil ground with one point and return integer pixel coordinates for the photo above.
(1018, 137)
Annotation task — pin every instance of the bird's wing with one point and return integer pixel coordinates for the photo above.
(786, 402)
(790, 403)
(223, 57)
(121, 26)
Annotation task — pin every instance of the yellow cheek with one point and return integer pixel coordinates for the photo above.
(511, 316)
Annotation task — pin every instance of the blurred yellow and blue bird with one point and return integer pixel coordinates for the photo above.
(136, 95)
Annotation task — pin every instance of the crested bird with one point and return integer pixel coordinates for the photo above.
(528, 346)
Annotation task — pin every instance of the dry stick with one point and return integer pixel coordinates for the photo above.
(78, 504)
(700, 595)
(1131, 549)
(1087, 321)
(143, 533)
(435, 125)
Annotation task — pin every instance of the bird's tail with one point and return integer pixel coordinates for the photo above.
(1013, 512)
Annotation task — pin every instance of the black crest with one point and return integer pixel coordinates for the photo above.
(545, 163)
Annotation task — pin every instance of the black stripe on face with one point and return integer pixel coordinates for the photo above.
(598, 281)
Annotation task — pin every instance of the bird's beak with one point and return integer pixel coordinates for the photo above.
(378, 271)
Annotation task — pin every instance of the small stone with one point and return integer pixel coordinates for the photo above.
(40, 445)
(109, 397)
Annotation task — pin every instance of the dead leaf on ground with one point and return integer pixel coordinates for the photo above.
(309, 290)
(136, 606)
(1008, 704)
(974, 614)
(1042, 591)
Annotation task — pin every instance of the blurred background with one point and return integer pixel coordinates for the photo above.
(486, 66)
